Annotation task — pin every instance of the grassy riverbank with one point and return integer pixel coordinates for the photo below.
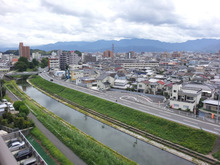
(197, 140)
(86, 147)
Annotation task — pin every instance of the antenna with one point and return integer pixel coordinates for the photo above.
(113, 50)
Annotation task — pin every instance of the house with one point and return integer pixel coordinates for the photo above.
(143, 86)
(86, 82)
(105, 81)
(210, 105)
(167, 90)
(185, 98)
(207, 89)
(121, 84)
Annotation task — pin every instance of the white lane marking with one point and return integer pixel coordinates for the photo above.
(190, 121)
(164, 114)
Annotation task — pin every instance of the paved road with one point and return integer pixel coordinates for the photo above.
(150, 108)
(63, 148)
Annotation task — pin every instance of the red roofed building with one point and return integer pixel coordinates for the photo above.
(14, 60)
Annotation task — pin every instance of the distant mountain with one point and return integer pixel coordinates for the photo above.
(137, 45)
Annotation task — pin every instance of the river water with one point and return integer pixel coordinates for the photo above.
(136, 150)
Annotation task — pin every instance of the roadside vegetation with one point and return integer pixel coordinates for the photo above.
(86, 147)
(195, 139)
(53, 150)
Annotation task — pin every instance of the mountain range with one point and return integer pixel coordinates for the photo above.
(137, 45)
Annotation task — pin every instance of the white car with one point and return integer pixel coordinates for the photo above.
(16, 145)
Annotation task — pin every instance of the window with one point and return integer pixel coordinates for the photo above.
(174, 91)
(176, 105)
(185, 107)
(140, 85)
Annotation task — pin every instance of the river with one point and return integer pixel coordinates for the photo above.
(136, 150)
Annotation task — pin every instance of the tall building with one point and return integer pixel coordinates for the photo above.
(24, 51)
(130, 55)
(107, 53)
(68, 58)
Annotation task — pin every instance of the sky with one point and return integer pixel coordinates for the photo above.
(38, 22)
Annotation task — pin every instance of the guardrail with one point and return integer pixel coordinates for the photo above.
(146, 134)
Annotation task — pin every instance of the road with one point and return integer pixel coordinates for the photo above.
(136, 102)
(63, 148)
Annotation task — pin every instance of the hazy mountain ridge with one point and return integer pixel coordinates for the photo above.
(137, 45)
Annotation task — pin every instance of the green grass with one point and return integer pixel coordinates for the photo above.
(217, 155)
(195, 139)
(86, 147)
(40, 150)
(53, 150)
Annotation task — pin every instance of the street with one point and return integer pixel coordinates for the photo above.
(134, 101)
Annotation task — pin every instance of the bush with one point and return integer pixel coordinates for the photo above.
(24, 109)
(17, 104)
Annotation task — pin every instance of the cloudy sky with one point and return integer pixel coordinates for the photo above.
(37, 22)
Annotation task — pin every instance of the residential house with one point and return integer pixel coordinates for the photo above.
(105, 81)
(210, 105)
(185, 98)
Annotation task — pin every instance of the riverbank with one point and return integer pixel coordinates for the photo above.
(86, 147)
(126, 131)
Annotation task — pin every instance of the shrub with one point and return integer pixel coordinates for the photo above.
(24, 109)
(17, 104)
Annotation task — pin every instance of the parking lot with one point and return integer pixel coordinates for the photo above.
(20, 149)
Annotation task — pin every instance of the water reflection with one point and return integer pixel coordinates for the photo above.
(139, 151)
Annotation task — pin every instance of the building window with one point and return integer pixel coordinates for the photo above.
(185, 107)
(176, 105)
(174, 91)
(140, 85)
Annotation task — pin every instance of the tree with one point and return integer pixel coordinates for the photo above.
(78, 52)
(2, 89)
(44, 62)
(24, 109)
(21, 66)
(23, 59)
(30, 65)
(35, 62)
(17, 104)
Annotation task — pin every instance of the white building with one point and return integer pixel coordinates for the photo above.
(139, 65)
(53, 63)
(36, 55)
(185, 98)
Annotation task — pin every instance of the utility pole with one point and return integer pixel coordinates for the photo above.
(218, 104)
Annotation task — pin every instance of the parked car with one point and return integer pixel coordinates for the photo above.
(31, 161)
(23, 154)
(12, 141)
(51, 79)
(16, 145)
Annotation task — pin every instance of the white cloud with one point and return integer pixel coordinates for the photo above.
(36, 22)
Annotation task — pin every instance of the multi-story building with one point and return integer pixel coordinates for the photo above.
(139, 65)
(130, 55)
(53, 63)
(108, 53)
(185, 98)
(68, 58)
(24, 51)
(36, 55)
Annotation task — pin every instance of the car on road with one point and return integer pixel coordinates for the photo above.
(51, 79)
(23, 154)
(16, 145)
